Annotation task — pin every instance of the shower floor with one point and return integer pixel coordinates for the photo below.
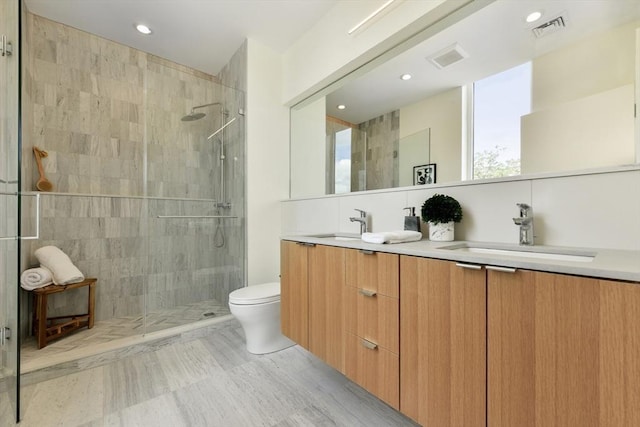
(106, 331)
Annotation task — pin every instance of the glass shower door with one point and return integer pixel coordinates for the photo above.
(9, 205)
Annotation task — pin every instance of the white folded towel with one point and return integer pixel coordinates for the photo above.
(35, 278)
(400, 236)
(61, 267)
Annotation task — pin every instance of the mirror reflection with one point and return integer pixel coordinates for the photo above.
(497, 95)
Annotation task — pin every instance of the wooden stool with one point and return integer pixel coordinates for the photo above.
(48, 328)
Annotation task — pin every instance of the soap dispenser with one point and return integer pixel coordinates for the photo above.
(412, 222)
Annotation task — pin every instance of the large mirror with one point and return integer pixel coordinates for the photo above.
(490, 96)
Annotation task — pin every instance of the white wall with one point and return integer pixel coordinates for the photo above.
(320, 57)
(598, 63)
(441, 113)
(560, 139)
(592, 79)
(310, 153)
(267, 161)
(413, 150)
(597, 210)
(326, 52)
(568, 210)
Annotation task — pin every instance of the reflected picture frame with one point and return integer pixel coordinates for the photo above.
(424, 174)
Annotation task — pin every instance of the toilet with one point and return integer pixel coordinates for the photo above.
(257, 308)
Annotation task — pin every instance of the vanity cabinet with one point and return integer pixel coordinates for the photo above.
(442, 342)
(454, 344)
(562, 350)
(326, 283)
(294, 291)
(311, 299)
(372, 323)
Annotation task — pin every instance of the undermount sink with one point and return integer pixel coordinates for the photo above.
(337, 236)
(522, 252)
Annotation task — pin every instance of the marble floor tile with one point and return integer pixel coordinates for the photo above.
(7, 411)
(227, 347)
(218, 401)
(118, 328)
(64, 401)
(266, 395)
(207, 381)
(188, 363)
(311, 416)
(160, 411)
(133, 380)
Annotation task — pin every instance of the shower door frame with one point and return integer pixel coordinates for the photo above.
(10, 146)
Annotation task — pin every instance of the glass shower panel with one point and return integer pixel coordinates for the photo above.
(195, 196)
(9, 205)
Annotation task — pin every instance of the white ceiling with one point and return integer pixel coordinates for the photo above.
(202, 34)
(496, 38)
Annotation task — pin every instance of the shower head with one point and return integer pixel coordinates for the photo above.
(196, 116)
(193, 116)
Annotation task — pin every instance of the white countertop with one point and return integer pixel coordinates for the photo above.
(607, 263)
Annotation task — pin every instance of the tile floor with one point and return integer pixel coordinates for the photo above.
(206, 381)
(116, 329)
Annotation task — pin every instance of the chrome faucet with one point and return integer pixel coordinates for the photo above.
(525, 221)
(362, 220)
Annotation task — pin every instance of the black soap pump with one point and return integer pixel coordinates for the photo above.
(412, 222)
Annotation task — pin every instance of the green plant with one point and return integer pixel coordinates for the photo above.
(441, 208)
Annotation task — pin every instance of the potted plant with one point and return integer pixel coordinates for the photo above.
(441, 212)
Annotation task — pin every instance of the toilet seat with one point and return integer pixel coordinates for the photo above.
(257, 294)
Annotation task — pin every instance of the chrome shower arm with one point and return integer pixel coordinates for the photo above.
(204, 105)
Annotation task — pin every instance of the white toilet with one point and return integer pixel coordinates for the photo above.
(257, 308)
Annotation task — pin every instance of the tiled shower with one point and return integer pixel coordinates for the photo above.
(139, 200)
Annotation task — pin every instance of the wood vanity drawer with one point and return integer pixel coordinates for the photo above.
(375, 271)
(374, 317)
(374, 368)
(378, 320)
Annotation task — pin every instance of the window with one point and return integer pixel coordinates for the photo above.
(342, 165)
(499, 101)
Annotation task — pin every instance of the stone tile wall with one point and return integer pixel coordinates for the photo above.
(375, 149)
(110, 118)
(140, 260)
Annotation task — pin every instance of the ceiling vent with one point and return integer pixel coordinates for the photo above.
(448, 56)
(552, 26)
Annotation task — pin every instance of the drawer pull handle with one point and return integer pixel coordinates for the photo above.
(367, 252)
(311, 245)
(369, 344)
(367, 293)
(501, 269)
(469, 266)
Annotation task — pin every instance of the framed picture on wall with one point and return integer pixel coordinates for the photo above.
(424, 174)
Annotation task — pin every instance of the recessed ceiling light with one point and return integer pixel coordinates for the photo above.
(143, 29)
(533, 16)
(406, 77)
(341, 107)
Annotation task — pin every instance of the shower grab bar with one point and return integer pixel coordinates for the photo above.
(117, 196)
(37, 236)
(220, 130)
(196, 216)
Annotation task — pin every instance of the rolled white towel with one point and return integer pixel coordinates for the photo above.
(34, 278)
(60, 265)
(400, 236)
